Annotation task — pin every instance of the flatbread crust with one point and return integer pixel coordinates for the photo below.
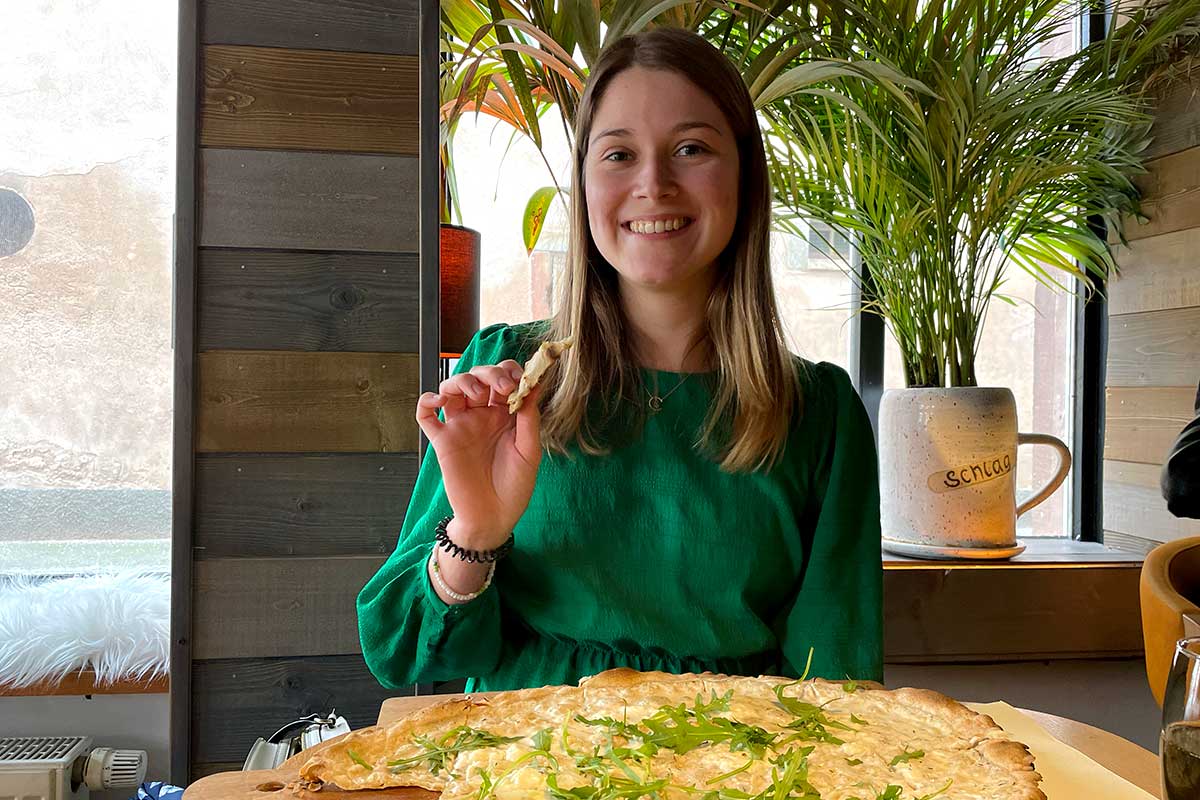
(921, 741)
(547, 353)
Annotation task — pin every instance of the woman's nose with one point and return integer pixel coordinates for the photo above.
(655, 178)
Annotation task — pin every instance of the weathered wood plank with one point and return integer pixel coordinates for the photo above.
(1133, 504)
(269, 97)
(1142, 423)
(1157, 273)
(1171, 195)
(313, 505)
(279, 300)
(308, 201)
(239, 700)
(1156, 348)
(273, 607)
(968, 614)
(256, 401)
(1176, 116)
(370, 26)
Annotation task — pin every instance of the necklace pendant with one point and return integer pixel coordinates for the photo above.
(655, 403)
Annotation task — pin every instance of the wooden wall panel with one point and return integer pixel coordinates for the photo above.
(271, 607)
(307, 317)
(1154, 330)
(279, 300)
(310, 505)
(1141, 424)
(1176, 117)
(281, 402)
(370, 26)
(269, 693)
(287, 99)
(1157, 273)
(969, 614)
(1133, 504)
(1171, 195)
(1158, 348)
(308, 201)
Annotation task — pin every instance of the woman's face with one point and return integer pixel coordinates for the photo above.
(662, 179)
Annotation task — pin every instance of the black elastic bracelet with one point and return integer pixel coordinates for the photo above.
(473, 556)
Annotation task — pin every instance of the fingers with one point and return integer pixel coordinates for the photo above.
(427, 418)
(482, 386)
(528, 436)
(503, 378)
(462, 392)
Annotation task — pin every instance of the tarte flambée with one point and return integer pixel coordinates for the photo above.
(624, 734)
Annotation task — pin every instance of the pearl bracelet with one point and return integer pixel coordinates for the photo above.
(441, 582)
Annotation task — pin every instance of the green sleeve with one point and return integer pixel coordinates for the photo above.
(838, 610)
(408, 633)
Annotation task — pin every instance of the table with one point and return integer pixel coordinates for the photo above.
(1133, 763)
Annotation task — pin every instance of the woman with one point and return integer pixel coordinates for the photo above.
(706, 500)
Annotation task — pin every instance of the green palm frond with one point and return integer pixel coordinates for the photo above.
(964, 151)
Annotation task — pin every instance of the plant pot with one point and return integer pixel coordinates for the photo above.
(947, 472)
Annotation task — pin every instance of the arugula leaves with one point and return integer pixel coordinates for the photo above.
(541, 743)
(907, 755)
(812, 723)
(439, 753)
(683, 729)
(357, 759)
(621, 771)
(893, 792)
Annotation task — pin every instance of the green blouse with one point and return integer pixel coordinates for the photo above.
(653, 558)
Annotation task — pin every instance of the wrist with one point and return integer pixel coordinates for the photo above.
(474, 537)
(460, 573)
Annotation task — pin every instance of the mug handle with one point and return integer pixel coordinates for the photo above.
(1064, 466)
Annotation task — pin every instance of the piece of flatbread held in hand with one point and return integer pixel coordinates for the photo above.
(535, 368)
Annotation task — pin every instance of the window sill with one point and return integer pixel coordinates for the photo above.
(1039, 554)
(84, 683)
(1058, 600)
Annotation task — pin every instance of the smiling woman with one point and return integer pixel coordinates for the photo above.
(728, 522)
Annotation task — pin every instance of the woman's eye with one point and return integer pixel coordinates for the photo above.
(696, 149)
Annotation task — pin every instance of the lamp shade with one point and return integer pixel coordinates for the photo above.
(459, 288)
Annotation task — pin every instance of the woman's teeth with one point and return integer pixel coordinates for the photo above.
(658, 225)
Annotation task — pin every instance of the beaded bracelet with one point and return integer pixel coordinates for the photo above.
(473, 556)
(441, 582)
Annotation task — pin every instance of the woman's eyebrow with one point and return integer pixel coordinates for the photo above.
(683, 126)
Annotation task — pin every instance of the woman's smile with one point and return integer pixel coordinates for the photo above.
(655, 229)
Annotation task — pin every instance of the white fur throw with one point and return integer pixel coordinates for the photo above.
(118, 624)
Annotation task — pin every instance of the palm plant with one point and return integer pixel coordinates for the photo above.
(996, 156)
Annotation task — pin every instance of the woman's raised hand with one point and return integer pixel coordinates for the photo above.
(489, 457)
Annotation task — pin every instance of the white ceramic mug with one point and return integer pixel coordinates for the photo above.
(947, 472)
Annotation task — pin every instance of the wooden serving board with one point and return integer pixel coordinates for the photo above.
(271, 784)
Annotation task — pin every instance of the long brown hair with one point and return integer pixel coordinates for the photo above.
(756, 389)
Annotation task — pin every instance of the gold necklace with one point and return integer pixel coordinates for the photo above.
(655, 402)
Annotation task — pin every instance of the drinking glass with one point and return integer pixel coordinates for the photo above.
(1179, 742)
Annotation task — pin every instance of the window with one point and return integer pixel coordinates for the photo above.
(87, 162)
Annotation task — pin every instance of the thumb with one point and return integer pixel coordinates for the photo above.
(528, 435)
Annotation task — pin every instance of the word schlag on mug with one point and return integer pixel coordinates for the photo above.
(981, 471)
